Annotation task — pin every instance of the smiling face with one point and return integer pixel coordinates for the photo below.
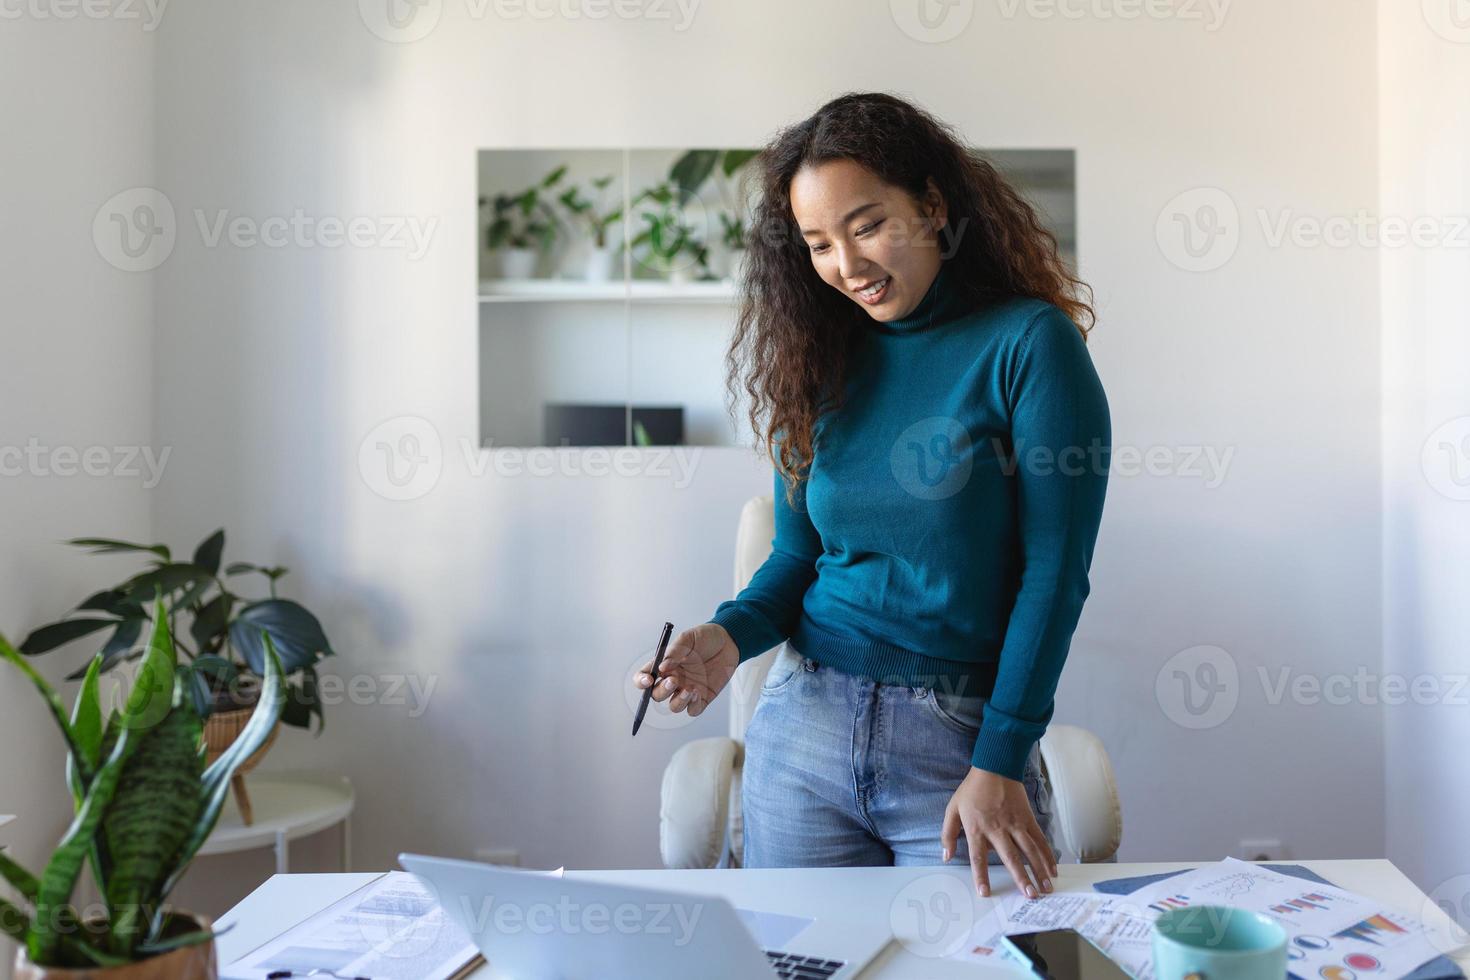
(862, 232)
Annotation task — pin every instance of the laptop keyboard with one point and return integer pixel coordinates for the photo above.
(791, 966)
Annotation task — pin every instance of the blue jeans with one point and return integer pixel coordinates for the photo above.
(841, 770)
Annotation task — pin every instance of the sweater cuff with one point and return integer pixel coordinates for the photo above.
(1002, 750)
(749, 632)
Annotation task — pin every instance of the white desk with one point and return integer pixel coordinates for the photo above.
(868, 893)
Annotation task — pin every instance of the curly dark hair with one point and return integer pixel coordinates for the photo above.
(793, 333)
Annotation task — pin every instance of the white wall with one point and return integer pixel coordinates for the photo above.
(1425, 158)
(529, 599)
(78, 119)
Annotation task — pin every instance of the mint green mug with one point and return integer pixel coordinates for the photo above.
(1217, 942)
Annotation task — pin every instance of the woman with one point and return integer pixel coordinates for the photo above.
(914, 350)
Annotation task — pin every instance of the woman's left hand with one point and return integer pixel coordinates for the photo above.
(994, 812)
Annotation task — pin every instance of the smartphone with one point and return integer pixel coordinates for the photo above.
(1063, 954)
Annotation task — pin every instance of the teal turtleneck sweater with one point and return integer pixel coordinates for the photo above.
(943, 535)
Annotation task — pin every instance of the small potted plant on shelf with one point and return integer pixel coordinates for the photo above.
(226, 663)
(671, 245)
(690, 173)
(523, 227)
(590, 212)
(145, 802)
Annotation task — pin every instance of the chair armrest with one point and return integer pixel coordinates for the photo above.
(1086, 814)
(694, 802)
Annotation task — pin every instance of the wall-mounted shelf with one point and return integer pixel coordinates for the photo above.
(575, 291)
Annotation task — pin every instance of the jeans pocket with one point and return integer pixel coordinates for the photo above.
(784, 669)
(959, 711)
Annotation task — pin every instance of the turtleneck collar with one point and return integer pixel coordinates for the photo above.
(941, 303)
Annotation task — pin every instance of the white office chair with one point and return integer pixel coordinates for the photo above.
(699, 811)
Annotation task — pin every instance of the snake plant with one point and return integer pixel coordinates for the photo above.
(144, 805)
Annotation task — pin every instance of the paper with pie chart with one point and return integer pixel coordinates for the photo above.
(1331, 934)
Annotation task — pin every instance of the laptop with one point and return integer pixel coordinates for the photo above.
(532, 925)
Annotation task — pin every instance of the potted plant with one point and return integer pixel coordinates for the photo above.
(145, 802)
(693, 169)
(589, 211)
(671, 244)
(523, 227)
(226, 662)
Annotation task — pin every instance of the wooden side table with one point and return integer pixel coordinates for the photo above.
(287, 806)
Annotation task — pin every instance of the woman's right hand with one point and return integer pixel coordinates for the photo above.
(697, 665)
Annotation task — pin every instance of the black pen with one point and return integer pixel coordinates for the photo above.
(658, 658)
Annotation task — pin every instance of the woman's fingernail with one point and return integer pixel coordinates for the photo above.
(1030, 892)
(1046, 886)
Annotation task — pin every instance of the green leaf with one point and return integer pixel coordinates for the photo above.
(151, 815)
(168, 578)
(103, 545)
(113, 601)
(215, 783)
(303, 702)
(207, 555)
(86, 729)
(117, 649)
(211, 621)
(8, 652)
(193, 938)
(735, 159)
(13, 922)
(297, 634)
(50, 637)
(692, 169)
(20, 879)
(60, 876)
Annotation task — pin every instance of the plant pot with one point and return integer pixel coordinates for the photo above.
(518, 263)
(601, 264)
(221, 729)
(190, 963)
